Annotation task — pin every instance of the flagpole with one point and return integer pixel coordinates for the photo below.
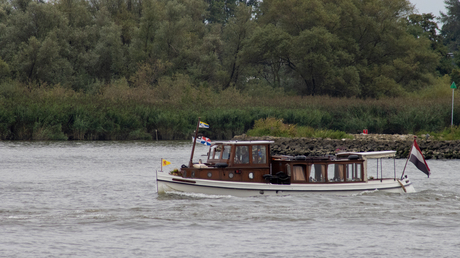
(452, 116)
(410, 152)
(453, 87)
(190, 164)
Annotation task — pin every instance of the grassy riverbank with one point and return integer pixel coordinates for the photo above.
(170, 111)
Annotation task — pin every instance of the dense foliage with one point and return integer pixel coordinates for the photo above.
(131, 69)
(170, 111)
(340, 48)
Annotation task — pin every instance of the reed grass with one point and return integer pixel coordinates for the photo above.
(118, 112)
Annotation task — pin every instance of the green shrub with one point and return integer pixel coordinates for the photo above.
(272, 127)
(275, 127)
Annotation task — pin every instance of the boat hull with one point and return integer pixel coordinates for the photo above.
(168, 183)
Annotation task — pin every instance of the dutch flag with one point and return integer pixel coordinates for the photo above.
(417, 158)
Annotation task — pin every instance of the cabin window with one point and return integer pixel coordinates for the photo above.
(298, 173)
(226, 152)
(353, 172)
(217, 151)
(230, 175)
(288, 169)
(211, 152)
(251, 175)
(317, 173)
(241, 155)
(335, 173)
(193, 174)
(259, 154)
(209, 174)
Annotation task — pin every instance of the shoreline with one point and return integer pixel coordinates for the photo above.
(431, 149)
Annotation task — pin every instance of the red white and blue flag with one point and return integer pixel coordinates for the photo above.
(203, 140)
(417, 158)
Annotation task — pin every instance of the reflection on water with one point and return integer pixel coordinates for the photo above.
(98, 199)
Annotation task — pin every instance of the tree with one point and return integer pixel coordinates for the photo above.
(268, 48)
(220, 11)
(110, 54)
(4, 71)
(235, 34)
(33, 43)
(423, 25)
(451, 24)
(346, 48)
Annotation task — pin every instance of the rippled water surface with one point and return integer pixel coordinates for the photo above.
(98, 199)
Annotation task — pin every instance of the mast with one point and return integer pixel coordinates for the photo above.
(190, 164)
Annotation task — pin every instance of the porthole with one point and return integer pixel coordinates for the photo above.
(209, 174)
(251, 175)
(230, 175)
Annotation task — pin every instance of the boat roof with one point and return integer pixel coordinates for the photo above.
(243, 142)
(371, 154)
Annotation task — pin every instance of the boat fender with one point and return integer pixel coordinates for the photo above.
(353, 157)
(402, 186)
(267, 177)
(282, 176)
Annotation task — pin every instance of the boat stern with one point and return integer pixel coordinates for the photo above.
(406, 185)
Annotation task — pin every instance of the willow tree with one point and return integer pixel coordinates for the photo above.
(451, 24)
(351, 47)
(424, 25)
(235, 33)
(33, 43)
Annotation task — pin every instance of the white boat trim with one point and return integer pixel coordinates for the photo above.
(370, 154)
(168, 183)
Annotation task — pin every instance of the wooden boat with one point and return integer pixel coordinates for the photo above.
(247, 168)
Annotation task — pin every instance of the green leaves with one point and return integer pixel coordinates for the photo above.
(369, 48)
(343, 48)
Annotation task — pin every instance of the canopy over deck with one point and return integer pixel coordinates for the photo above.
(243, 142)
(370, 154)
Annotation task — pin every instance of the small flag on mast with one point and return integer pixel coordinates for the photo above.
(205, 141)
(203, 125)
(165, 162)
(417, 158)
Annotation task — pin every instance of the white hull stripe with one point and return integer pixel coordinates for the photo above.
(286, 190)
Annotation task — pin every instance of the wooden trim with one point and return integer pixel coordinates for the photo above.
(183, 180)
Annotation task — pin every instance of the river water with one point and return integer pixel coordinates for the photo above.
(98, 199)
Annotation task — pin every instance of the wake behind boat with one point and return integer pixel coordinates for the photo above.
(247, 168)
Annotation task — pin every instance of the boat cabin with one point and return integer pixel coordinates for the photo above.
(251, 161)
